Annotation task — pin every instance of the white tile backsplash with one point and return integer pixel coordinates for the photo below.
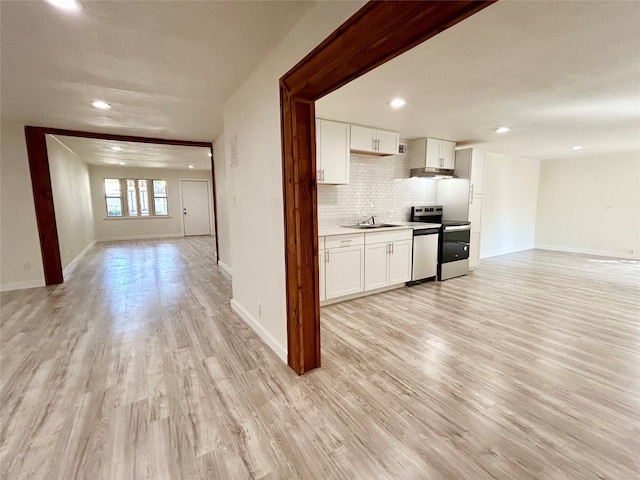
(377, 185)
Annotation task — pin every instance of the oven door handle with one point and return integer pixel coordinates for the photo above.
(457, 228)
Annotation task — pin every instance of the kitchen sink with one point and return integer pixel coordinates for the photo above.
(369, 226)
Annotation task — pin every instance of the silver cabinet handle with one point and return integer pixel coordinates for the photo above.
(345, 242)
(388, 248)
(471, 199)
(472, 189)
(392, 249)
(326, 260)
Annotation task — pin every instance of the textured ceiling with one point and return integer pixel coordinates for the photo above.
(135, 154)
(166, 67)
(558, 73)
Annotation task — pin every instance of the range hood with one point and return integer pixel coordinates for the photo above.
(432, 173)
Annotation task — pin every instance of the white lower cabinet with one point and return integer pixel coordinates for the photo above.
(344, 265)
(400, 262)
(387, 258)
(376, 268)
(321, 275)
(475, 216)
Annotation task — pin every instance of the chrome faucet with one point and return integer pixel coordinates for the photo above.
(371, 219)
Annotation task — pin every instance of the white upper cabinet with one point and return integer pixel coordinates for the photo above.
(374, 141)
(470, 165)
(332, 152)
(432, 153)
(388, 142)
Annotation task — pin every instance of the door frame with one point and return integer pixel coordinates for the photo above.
(43, 196)
(375, 34)
(209, 199)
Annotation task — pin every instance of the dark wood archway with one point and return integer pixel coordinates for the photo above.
(374, 35)
(43, 195)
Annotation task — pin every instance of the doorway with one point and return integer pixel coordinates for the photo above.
(42, 189)
(349, 52)
(196, 214)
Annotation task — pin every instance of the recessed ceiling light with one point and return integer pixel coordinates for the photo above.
(102, 105)
(577, 147)
(502, 130)
(190, 166)
(116, 148)
(68, 5)
(210, 154)
(397, 103)
(121, 163)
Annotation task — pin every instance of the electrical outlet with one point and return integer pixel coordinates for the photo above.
(259, 309)
(389, 213)
(632, 251)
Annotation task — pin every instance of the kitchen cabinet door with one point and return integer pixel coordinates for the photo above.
(400, 262)
(363, 138)
(477, 172)
(387, 142)
(448, 154)
(321, 260)
(475, 212)
(332, 152)
(474, 249)
(344, 271)
(433, 153)
(376, 258)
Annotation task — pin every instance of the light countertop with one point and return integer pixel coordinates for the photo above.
(338, 230)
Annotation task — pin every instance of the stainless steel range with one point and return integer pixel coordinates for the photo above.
(453, 246)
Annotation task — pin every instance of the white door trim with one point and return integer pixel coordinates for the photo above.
(209, 197)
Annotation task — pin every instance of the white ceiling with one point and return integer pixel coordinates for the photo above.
(167, 67)
(558, 73)
(135, 154)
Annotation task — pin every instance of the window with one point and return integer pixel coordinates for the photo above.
(142, 198)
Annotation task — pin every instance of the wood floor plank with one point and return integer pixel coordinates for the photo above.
(137, 368)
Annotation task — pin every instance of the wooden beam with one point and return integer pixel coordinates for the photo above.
(376, 33)
(43, 201)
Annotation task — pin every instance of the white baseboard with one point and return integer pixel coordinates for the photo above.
(7, 287)
(225, 267)
(141, 237)
(588, 251)
(505, 251)
(266, 336)
(74, 262)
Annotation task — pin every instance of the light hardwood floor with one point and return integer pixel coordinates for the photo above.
(136, 368)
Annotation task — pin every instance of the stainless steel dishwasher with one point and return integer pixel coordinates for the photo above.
(425, 254)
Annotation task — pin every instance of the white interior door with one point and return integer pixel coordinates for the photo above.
(195, 207)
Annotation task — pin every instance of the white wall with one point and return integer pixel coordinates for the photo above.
(590, 205)
(71, 199)
(256, 220)
(149, 227)
(222, 203)
(509, 204)
(19, 243)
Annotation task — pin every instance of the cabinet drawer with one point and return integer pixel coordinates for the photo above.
(388, 236)
(350, 240)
